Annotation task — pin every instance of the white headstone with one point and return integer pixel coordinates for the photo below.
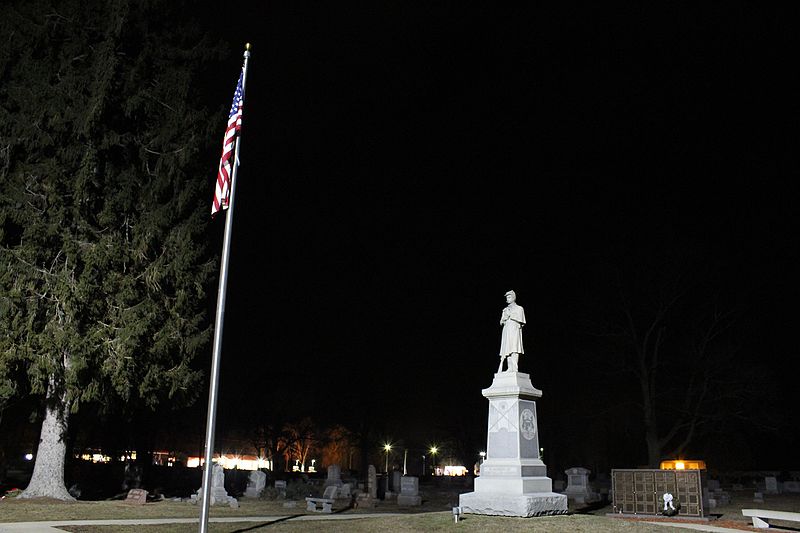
(255, 484)
(218, 493)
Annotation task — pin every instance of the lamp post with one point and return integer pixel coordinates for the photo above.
(387, 448)
(423, 465)
(434, 450)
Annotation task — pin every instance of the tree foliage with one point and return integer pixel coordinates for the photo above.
(103, 271)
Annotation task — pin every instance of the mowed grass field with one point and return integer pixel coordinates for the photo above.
(434, 515)
(14, 510)
(441, 521)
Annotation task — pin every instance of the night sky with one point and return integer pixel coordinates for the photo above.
(402, 167)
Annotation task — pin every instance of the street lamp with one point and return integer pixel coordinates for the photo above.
(423, 465)
(387, 448)
(483, 456)
(434, 450)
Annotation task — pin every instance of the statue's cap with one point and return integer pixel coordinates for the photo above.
(512, 293)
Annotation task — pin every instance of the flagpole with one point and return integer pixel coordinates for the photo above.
(217, 354)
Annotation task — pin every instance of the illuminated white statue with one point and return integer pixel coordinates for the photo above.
(512, 320)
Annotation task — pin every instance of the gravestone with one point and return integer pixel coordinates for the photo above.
(369, 498)
(758, 497)
(334, 476)
(280, 487)
(396, 477)
(372, 482)
(578, 487)
(722, 497)
(791, 486)
(409, 491)
(256, 482)
(771, 485)
(136, 496)
(218, 493)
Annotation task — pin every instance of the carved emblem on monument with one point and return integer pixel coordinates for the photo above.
(499, 419)
(526, 424)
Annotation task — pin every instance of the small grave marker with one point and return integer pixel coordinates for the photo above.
(136, 497)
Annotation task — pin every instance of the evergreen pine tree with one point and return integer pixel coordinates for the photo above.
(105, 195)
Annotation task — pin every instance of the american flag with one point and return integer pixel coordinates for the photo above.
(222, 189)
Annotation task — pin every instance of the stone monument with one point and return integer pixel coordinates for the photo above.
(372, 482)
(369, 498)
(513, 480)
(771, 485)
(578, 487)
(218, 492)
(409, 491)
(334, 476)
(256, 482)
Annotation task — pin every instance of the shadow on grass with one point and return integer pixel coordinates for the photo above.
(589, 509)
(266, 524)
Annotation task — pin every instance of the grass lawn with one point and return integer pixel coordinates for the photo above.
(434, 515)
(16, 510)
(442, 521)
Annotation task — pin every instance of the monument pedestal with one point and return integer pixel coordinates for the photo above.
(513, 480)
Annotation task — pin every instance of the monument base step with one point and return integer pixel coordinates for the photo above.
(523, 505)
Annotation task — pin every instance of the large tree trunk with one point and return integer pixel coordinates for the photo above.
(654, 453)
(48, 471)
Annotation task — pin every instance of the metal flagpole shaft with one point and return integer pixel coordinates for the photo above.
(211, 421)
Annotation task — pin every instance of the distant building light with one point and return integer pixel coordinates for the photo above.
(455, 471)
(683, 464)
(239, 462)
(28, 456)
